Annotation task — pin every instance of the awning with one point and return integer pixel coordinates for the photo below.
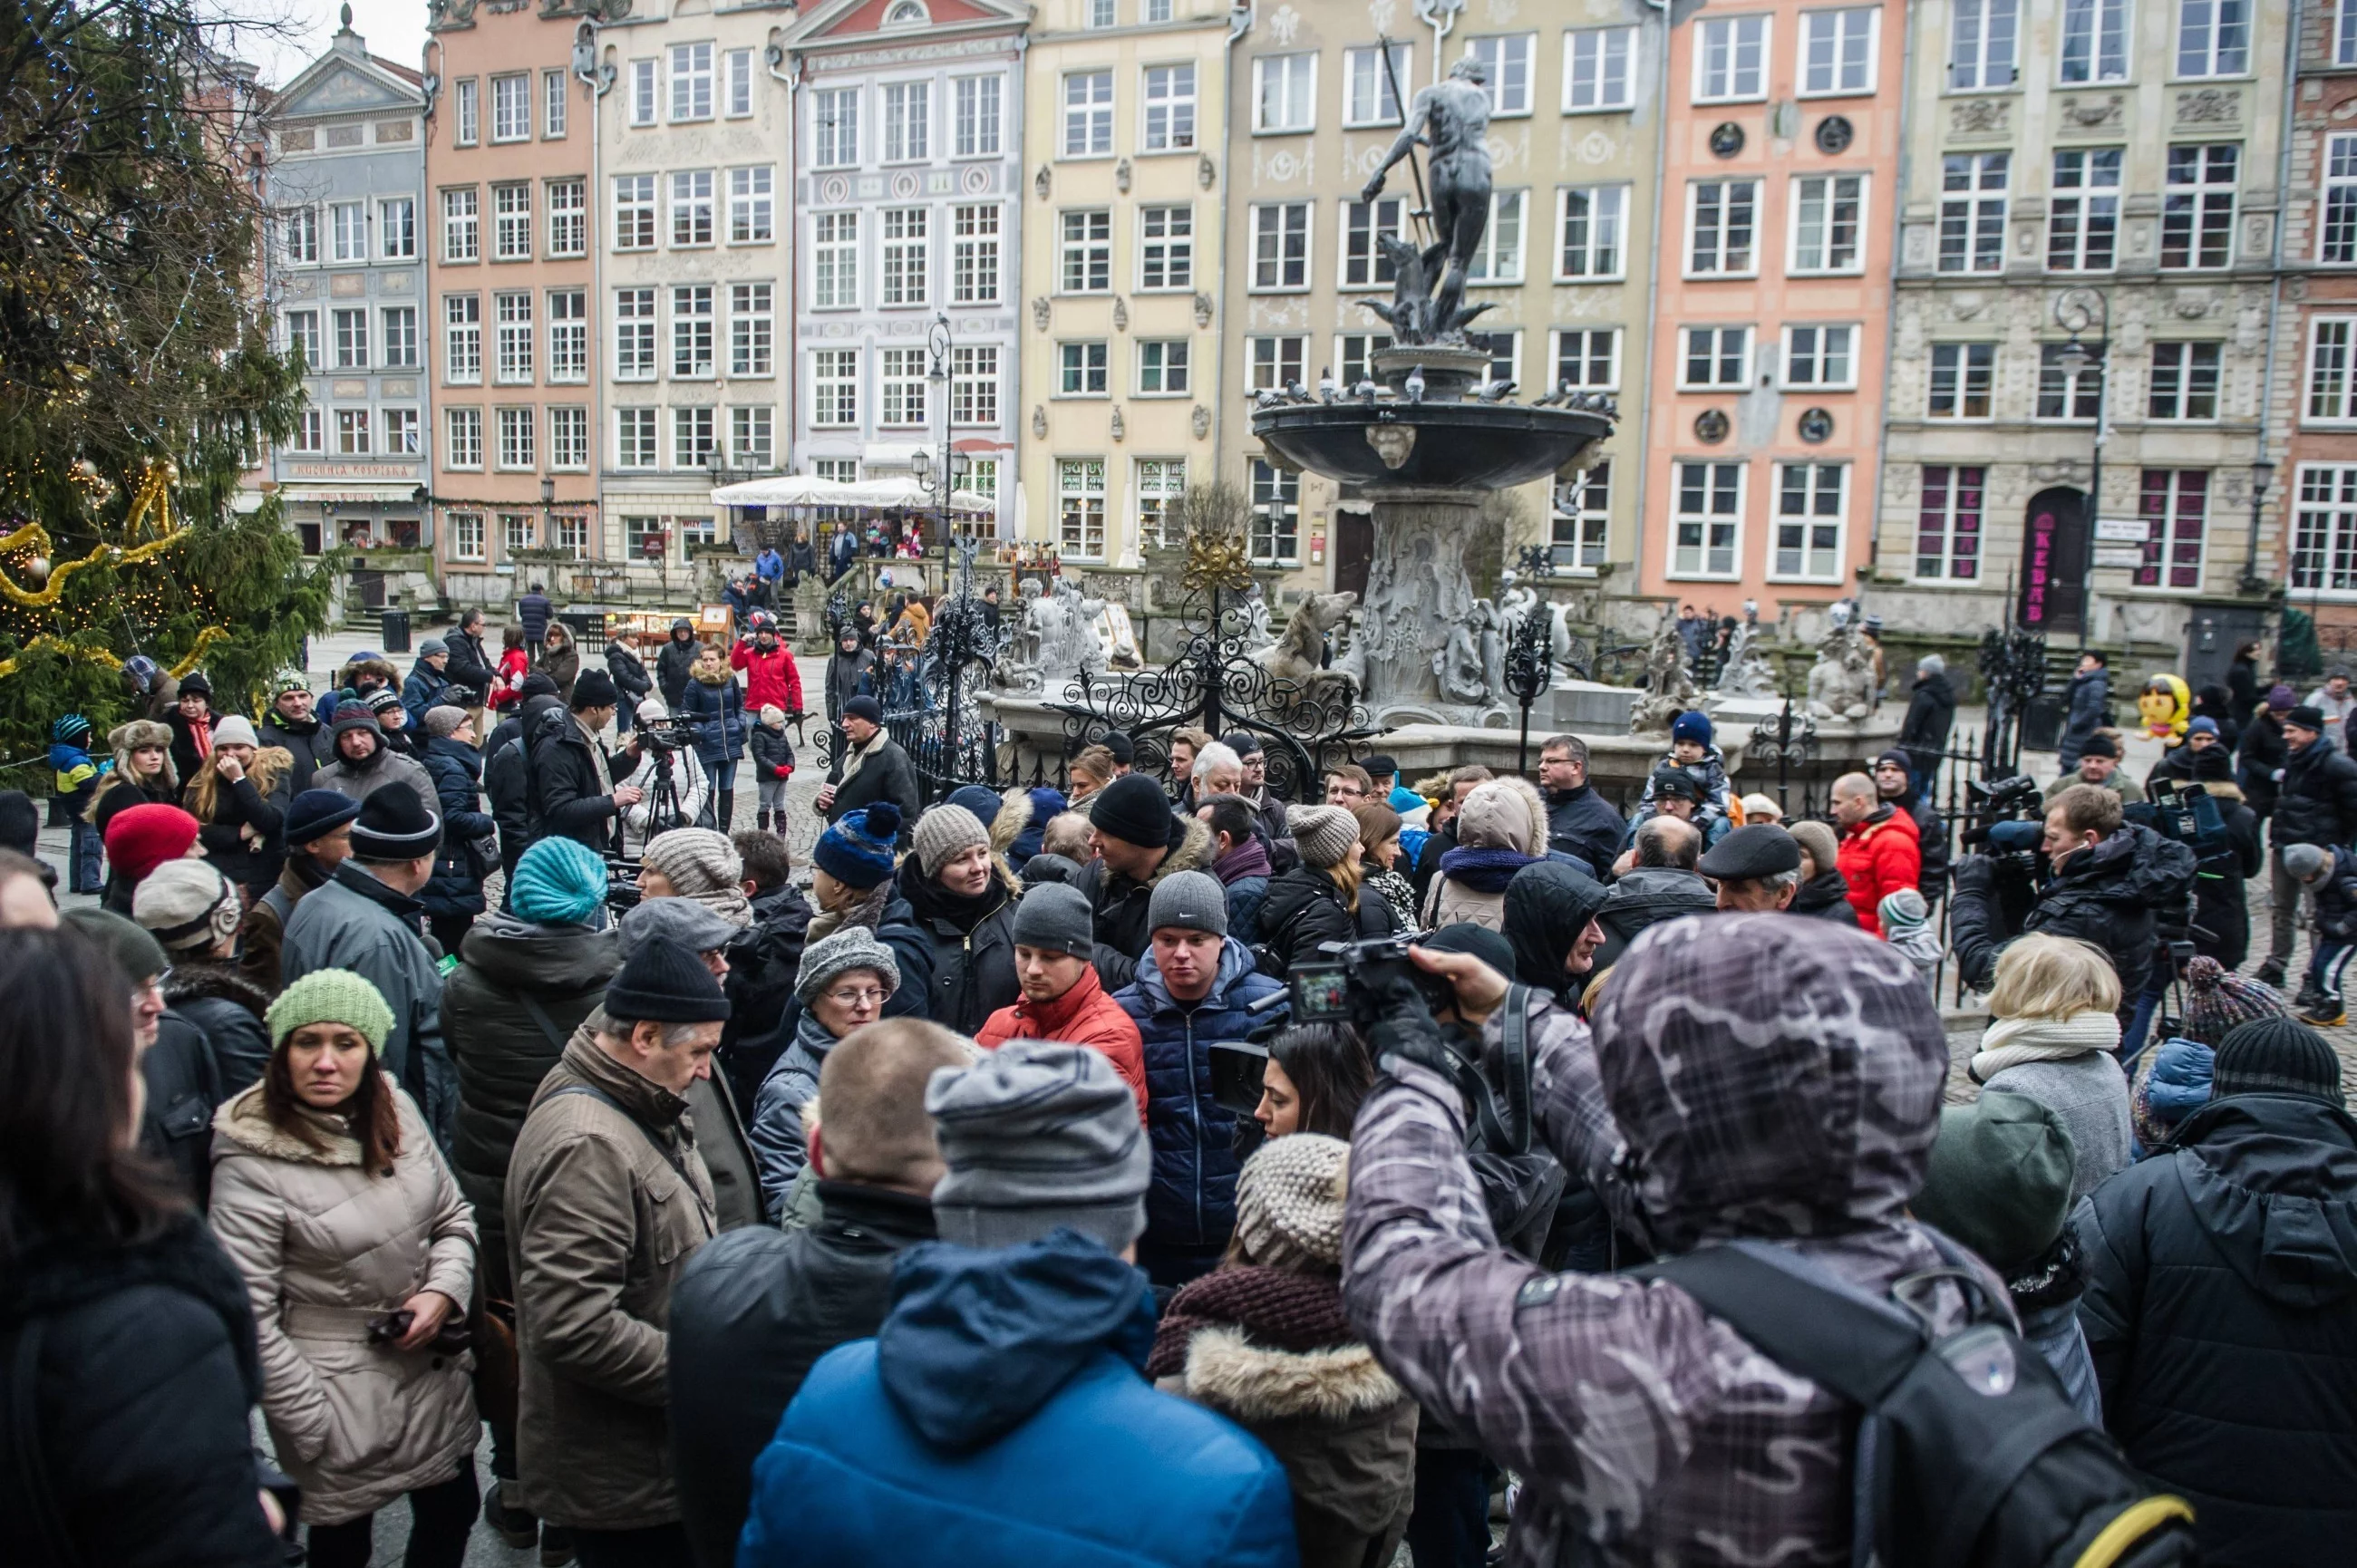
(804, 489)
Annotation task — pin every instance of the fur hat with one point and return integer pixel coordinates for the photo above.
(1290, 1202)
(189, 903)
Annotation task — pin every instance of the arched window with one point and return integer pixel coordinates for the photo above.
(907, 13)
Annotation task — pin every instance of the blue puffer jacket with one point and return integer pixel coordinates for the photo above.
(457, 769)
(1192, 1202)
(1000, 1418)
(718, 710)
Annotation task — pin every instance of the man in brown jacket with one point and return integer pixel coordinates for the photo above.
(607, 1199)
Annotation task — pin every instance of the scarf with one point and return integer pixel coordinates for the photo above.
(867, 911)
(931, 901)
(729, 903)
(2016, 1042)
(1274, 1307)
(1249, 858)
(860, 754)
(1484, 870)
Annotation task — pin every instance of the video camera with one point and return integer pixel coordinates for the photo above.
(2008, 821)
(1356, 984)
(673, 732)
(622, 883)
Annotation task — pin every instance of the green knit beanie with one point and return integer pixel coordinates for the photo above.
(332, 996)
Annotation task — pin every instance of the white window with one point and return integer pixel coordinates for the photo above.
(2083, 213)
(1587, 358)
(2197, 209)
(634, 213)
(569, 334)
(646, 538)
(834, 261)
(2175, 504)
(1364, 265)
(310, 431)
(2184, 381)
(634, 334)
(2332, 393)
(1087, 114)
(691, 81)
(1837, 52)
(462, 431)
(396, 228)
(1080, 510)
(352, 328)
(568, 218)
(1828, 216)
(1273, 364)
(693, 437)
(1285, 93)
(976, 101)
(400, 336)
(1981, 35)
(2344, 32)
(1588, 220)
(752, 204)
(1162, 367)
(1961, 375)
(2066, 393)
(1821, 357)
(974, 254)
(1717, 356)
(1081, 369)
(1499, 258)
(1165, 248)
(903, 386)
(348, 230)
(466, 535)
(303, 338)
(511, 320)
(835, 387)
(737, 82)
(1100, 14)
(691, 207)
(974, 384)
(1354, 357)
(517, 427)
(1280, 246)
(462, 339)
(1276, 497)
(553, 105)
(1731, 59)
(1721, 217)
(643, 78)
(691, 331)
(2324, 538)
(1086, 253)
(2094, 40)
(1582, 518)
(1152, 11)
(1598, 69)
(835, 126)
(905, 269)
(352, 432)
(634, 439)
(511, 222)
(751, 438)
(299, 229)
(1169, 94)
(1811, 501)
(2337, 233)
(907, 122)
(1948, 524)
(462, 220)
(468, 130)
(1370, 91)
(2213, 37)
(1508, 61)
(1709, 522)
(752, 327)
(511, 109)
(1972, 211)
(1158, 483)
(569, 531)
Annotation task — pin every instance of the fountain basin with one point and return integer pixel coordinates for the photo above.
(1432, 445)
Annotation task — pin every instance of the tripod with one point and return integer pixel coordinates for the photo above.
(663, 812)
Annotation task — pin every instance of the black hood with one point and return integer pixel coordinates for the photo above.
(2135, 864)
(1547, 905)
(2272, 1178)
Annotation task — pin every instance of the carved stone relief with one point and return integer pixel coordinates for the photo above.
(2209, 106)
(1979, 116)
(1039, 313)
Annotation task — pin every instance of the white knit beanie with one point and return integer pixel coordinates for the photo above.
(1290, 1202)
(944, 831)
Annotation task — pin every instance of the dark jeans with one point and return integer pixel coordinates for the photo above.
(440, 1518)
(87, 852)
(2324, 968)
(657, 1546)
(1450, 1525)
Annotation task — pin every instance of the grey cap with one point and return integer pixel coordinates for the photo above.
(683, 920)
(432, 646)
(1189, 900)
(854, 947)
(1056, 917)
(2305, 861)
(1037, 1136)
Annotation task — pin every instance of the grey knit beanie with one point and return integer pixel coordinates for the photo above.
(2305, 860)
(1189, 900)
(681, 920)
(942, 833)
(1290, 1202)
(1037, 1136)
(441, 721)
(854, 947)
(1324, 834)
(1056, 917)
(695, 860)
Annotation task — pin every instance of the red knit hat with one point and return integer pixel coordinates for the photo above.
(142, 838)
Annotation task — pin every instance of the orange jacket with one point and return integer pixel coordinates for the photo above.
(1084, 1015)
(1878, 856)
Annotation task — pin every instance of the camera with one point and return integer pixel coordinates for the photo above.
(622, 883)
(670, 733)
(2009, 816)
(1355, 984)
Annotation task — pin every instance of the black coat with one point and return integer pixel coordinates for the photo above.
(885, 775)
(2115, 895)
(236, 807)
(2242, 692)
(1644, 897)
(2258, 757)
(1548, 905)
(1122, 908)
(1427, 860)
(848, 678)
(2222, 918)
(228, 1010)
(566, 797)
(1303, 907)
(1582, 824)
(2090, 709)
(2221, 1313)
(674, 666)
(764, 959)
(457, 769)
(507, 779)
(2318, 803)
(472, 665)
(974, 970)
(185, 757)
(1933, 835)
(1826, 897)
(143, 1370)
(1931, 713)
(533, 612)
(629, 672)
(312, 745)
(183, 1083)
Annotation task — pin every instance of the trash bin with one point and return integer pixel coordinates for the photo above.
(396, 631)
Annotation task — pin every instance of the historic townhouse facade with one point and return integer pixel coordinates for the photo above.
(346, 195)
(909, 214)
(1120, 278)
(1574, 134)
(2111, 167)
(2316, 342)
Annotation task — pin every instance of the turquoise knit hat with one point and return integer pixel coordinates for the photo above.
(559, 882)
(331, 996)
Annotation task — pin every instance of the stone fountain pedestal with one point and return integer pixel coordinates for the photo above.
(1417, 591)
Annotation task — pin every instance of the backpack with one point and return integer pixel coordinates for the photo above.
(1968, 1454)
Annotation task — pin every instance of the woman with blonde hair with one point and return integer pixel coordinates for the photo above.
(1322, 899)
(2054, 1035)
(1091, 771)
(238, 794)
(143, 774)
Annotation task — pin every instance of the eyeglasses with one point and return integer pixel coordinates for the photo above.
(864, 997)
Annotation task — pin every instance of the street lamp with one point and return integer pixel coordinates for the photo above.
(2262, 472)
(2075, 311)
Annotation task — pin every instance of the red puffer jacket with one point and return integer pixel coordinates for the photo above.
(771, 679)
(1084, 1015)
(1880, 855)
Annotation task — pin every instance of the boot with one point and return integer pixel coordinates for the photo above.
(2324, 1012)
(765, 819)
(728, 810)
(2271, 974)
(515, 1526)
(555, 1546)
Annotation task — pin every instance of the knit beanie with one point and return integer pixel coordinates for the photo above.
(1819, 841)
(235, 729)
(2281, 699)
(652, 709)
(1324, 834)
(142, 837)
(441, 721)
(1056, 918)
(71, 729)
(1189, 901)
(857, 850)
(1491, 947)
(1037, 1136)
(2305, 860)
(1133, 810)
(2000, 1177)
(134, 949)
(331, 996)
(979, 798)
(945, 832)
(2276, 1055)
(1290, 1202)
(383, 702)
(1123, 749)
(854, 947)
(695, 860)
(681, 920)
(866, 708)
(1693, 724)
(594, 689)
(1902, 910)
(189, 903)
(432, 646)
(2217, 1000)
(558, 882)
(194, 683)
(772, 715)
(664, 982)
(393, 826)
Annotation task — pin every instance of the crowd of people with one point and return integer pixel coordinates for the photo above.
(975, 1195)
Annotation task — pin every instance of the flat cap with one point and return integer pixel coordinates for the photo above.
(1748, 854)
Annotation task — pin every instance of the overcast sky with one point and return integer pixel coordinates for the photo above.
(294, 32)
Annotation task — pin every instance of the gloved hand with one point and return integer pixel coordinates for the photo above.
(1403, 1028)
(782, 770)
(1975, 874)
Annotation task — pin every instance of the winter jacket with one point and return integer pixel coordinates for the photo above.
(1501, 828)
(2108, 894)
(717, 705)
(1122, 904)
(2222, 918)
(848, 678)
(1826, 896)
(560, 662)
(508, 680)
(327, 1246)
(424, 689)
(764, 959)
(2073, 1069)
(1930, 714)
(534, 613)
(1932, 847)
(1087, 1014)
(717, 1133)
(1646, 896)
(1718, 795)
(310, 743)
(1191, 1202)
(257, 801)
(507, 778)
(2333, 896)
(1303, 908)
(501, 1051)
(143, 1373)
(457, 769)
(183, 1085)
(1548, 907)
(471, 668)
(571, 783)
(227, 1009)
(353, 922)
(2089, 710)
(973, 966)
(1585, 825)
(750, 1315)
(780, 1139)
(946, 1441)
(607, 1199)
(1243, 874)
(189, 747)
(358, 781)
(885, 773)
(262, 937)
(2221, 1311)
(629, 673)
(772, 751)
(1878, 856)
(674, 665)
(771, 678)
(2259, 760)
(2316, 799)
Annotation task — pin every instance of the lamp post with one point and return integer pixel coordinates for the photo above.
(2076, 310)
(957, 637)
(547, 502)
(2262, 472)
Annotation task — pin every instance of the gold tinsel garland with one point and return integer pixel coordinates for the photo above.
(155, 495)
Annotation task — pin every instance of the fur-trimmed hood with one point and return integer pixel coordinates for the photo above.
(246, 1123)
(1503, 813)
(1193, 854)
(186, 982)
(347, 678)
(1253, 1383)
